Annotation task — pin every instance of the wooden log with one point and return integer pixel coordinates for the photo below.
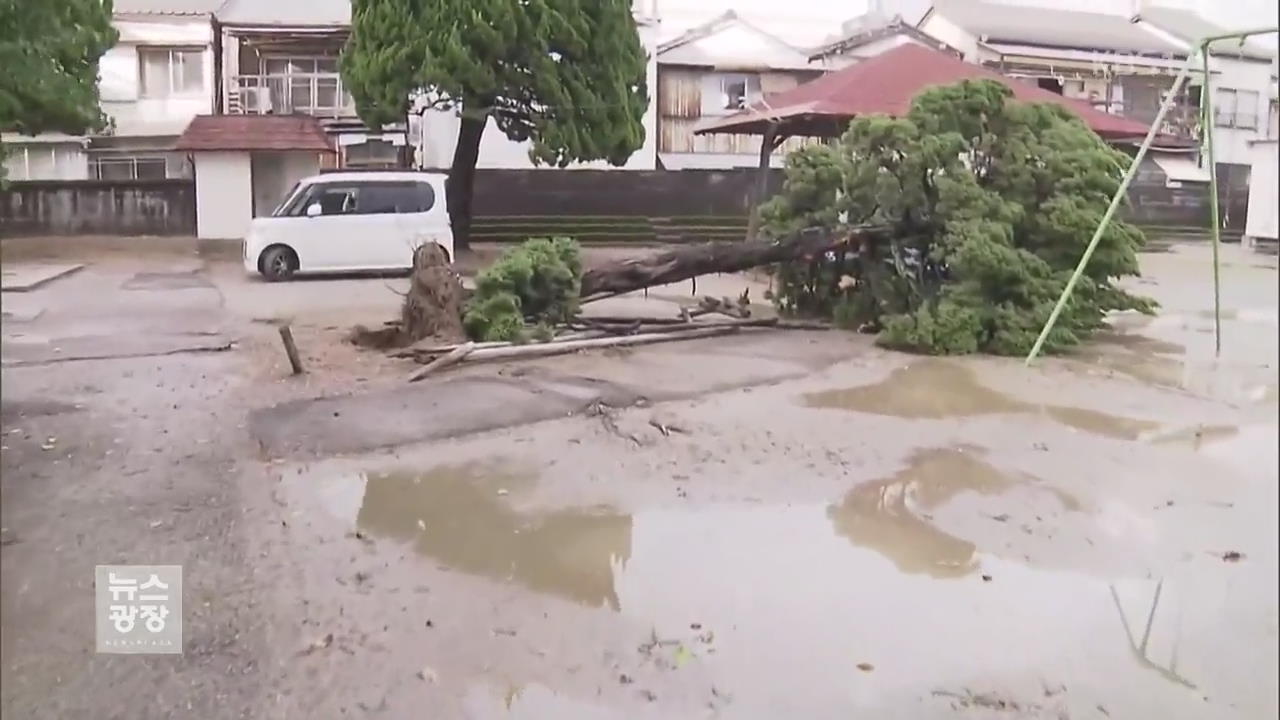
(414, 351)
(684, 263)
(295, 362)
(560, 348)
(453, 357)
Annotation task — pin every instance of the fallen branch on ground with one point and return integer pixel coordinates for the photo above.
(454, 357)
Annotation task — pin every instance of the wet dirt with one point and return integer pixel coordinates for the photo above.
(938, 389)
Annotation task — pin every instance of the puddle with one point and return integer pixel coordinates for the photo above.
(460, 515)
(887, 515)
(1139, 343)
(935, 389)
(1198, 436)
(780, 605)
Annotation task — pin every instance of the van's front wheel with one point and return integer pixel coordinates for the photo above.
(278, 263)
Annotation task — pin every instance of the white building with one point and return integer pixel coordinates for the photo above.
(156, 78)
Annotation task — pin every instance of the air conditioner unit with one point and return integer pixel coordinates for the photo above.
(258, 100)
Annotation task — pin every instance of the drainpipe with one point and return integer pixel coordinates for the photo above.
(219, 106)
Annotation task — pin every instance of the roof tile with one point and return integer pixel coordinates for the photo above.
(254, 132)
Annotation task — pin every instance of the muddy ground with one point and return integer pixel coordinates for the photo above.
(766, 524)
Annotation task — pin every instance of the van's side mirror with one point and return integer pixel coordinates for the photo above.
(313, 210)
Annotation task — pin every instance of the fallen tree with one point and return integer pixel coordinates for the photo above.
(682, 263)
(538, 285)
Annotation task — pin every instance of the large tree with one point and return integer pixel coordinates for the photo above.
(49, 51)
(992, 203)
(567, 75)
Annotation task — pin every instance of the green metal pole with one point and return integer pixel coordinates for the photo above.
(1206, 124)
(1111, 209)
(1239, 34)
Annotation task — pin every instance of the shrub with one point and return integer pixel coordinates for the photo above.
(536, 282)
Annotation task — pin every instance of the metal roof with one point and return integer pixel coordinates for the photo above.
(286, 13)
(253, 132)
(1192, 26)
(886, 84)
(166, 7)
(1051, 27)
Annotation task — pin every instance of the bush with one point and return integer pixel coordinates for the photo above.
(536, 282)
(993, 203)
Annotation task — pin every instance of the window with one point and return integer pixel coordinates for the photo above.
(1235, 108)
(404, 197)
(738, 91)
(306, 83)
(1273, 119)
(125, 167)
(374, 198)
(165, 72)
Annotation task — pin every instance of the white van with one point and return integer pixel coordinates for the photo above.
(342, 222)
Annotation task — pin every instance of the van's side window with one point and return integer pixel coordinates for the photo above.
(333, 200)
(395, 197)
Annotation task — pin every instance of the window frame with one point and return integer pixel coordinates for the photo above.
(747, 96)
(173, 71)
(95, 161)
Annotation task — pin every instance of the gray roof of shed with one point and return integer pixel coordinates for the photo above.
(166, 7)
(286, 13)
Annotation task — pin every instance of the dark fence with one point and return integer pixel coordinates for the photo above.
(98, 207)
(615, 206)
(611, 206)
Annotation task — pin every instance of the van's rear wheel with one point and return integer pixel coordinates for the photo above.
(278, 263)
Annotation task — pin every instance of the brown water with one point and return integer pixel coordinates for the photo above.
(796, 598)
(888, 516)
(939, 389)
(460, 516)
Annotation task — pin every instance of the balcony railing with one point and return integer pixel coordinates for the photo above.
(319, 94)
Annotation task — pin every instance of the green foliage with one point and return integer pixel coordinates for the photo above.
(536, 281)
(565, 74)
(49, 51)
(993, 203)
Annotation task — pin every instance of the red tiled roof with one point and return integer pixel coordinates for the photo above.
(886, 84)
(254, 132)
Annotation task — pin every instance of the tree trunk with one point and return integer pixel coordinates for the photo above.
(462, 178)
(761, 187)
(621, 276)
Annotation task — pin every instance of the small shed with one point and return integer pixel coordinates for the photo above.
(886, 84)
(1261, 222)
(244, 165)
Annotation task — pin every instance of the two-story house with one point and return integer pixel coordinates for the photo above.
(716, 69)
(158, 76)
(281, 58)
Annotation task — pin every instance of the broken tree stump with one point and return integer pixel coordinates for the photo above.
(433, 305)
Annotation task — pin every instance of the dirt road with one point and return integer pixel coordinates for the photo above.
(764, 525)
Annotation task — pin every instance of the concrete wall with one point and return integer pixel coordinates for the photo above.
(126, 207)
(1232, 145)
(224, 195)
(1262, 219)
